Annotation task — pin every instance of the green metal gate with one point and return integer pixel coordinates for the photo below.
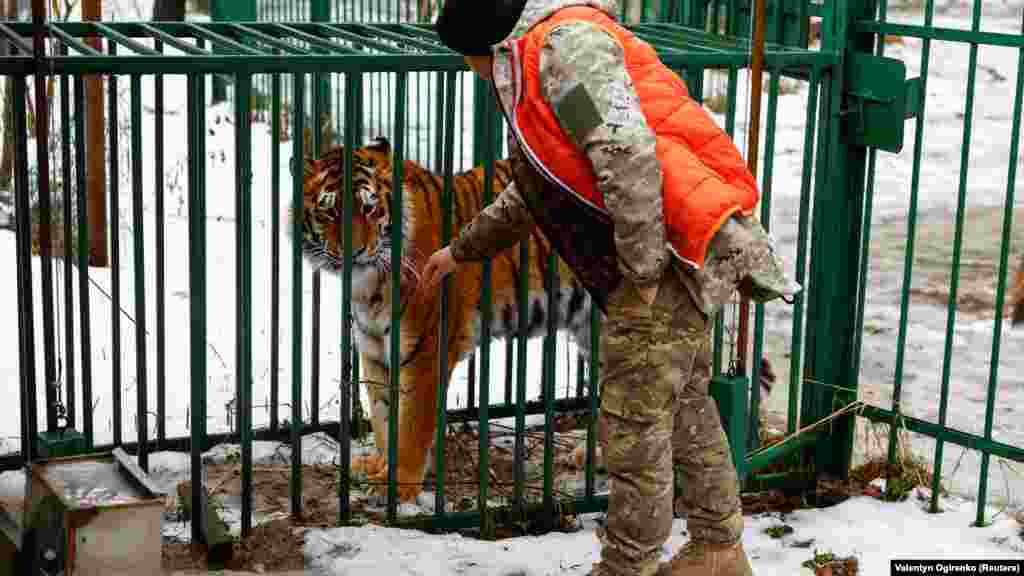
(937, 246)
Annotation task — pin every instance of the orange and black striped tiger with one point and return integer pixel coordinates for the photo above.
(421, 221)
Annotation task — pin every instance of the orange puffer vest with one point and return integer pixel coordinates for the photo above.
(705, 180)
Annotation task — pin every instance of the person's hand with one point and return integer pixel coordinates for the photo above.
(439, 265)
(649, 294)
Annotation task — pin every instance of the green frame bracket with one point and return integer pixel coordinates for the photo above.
(787, 22)
(229, 11)
(320, 11)
(878, 101)
(61, 443)
(730, 393)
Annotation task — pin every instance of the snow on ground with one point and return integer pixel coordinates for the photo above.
(873, 531)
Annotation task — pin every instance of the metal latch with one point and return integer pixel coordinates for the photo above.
(878, 100)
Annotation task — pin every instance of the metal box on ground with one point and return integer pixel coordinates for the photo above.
(96, 515)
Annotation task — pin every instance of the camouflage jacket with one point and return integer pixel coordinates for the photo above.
(580, 58)
(621, 148)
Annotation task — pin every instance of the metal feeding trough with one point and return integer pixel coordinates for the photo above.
(96, 515)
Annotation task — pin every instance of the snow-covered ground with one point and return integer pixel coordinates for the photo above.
(873, 531)
(846, 525)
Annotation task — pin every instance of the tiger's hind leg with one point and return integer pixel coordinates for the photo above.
(376, 378)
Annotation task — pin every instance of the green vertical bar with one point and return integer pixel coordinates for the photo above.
(581, 377)
(69, 295)
(84, 314)
(865, 245)
(229, 11)
(197, 292)
(138, 243)
(115, 251)
(243, 279)
(26, 312)
(730, 129)
(352, 85)
(41, 119)
(299, 107)
(754, 437)
(510, 349)
(486, 315)
(320, 11)
(834, 257)
(594, 367)
(471, 381)
(275, 247)
(446, 83)
(522, 339)
(820, 176)
(958, 236)
(161, 267)
(314, 355)
(908, 263)
(796, 350)
(548, 381)
(396, 293)
(993, 374)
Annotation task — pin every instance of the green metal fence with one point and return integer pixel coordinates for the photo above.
(984, 207)
(849, 103)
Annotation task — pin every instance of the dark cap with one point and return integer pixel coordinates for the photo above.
(471, 27)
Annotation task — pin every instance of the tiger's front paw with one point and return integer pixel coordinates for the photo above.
(409, 485)
(370, 464)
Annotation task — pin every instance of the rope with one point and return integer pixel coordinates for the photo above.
(856, 405)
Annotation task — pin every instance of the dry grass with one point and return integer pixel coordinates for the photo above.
(906, 472)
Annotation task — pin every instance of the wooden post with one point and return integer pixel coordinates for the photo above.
(7, 145)
(756, 67)
(95, 148)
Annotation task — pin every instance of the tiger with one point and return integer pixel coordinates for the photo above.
(372, 204)
(371, 293)
(1017, 297)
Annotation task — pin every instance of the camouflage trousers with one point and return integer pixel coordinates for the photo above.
(656, 370)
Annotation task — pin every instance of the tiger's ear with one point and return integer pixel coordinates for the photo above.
(381, 144)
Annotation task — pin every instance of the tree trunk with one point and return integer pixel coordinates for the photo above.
(169, 10)
(95, 152)
(7, 144)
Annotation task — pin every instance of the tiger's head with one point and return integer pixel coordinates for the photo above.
(323, 218)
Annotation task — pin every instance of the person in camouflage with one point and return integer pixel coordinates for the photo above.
(656, 343)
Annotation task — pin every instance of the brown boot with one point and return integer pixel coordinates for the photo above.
(706, 559)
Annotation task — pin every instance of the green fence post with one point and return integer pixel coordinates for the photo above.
(830, 372)
(229, 11)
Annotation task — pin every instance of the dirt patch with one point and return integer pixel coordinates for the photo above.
(274, 546)
(271, 490)
(462, 465)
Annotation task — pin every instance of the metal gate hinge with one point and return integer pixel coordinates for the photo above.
(877, 101)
